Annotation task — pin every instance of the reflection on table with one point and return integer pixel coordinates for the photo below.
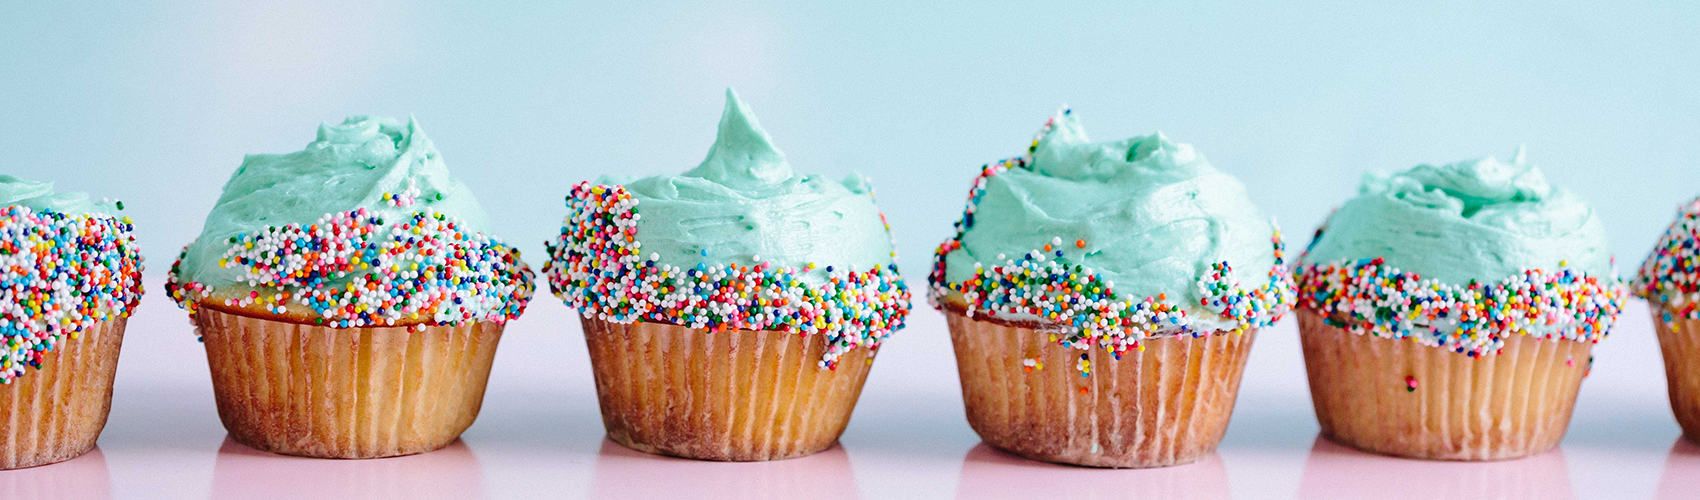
(1681, 477)
(82, 477)
(243, 472)
(623, 473)
(990, 473)
(1333, 471)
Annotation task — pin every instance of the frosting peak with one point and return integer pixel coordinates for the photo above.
(1670, 276)
(362, 162)
(1466, 187)
(66, 266)
(40, 196)
(1481, 220)
(1066, 152)
(1461, 256)
(14, 189)
(744, 204)
(743, 155)
(1139, 221)
(366, 213)
(740, 241)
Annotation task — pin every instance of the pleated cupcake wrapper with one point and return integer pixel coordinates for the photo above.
(736, 395)
(345, 392)
(1679, 339)
(1512, 404)
(1168, 405)
(57, 412)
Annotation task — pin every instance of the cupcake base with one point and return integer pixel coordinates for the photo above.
(1167, 405)
(327, 392)
(736, 395)
(56, 413)
(1679, 339)
(1398, 397)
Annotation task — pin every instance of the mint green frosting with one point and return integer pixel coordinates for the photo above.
(1482, 220)
(744, 205)
(39, 196)
(1154, 216)
(349, 166)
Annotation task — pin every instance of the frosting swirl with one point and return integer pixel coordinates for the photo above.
(1476, 220)
(1144, 226)
(364, 227)
(739, 242)
(66, 265)
(1459, 256)
(1670, 276)
(743, 204)
(39, 196)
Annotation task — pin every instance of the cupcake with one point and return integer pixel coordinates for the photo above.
(732, 311)
(349, 296)
(1670, 281)
(1103, 296)
(1448, 312)
(70, 275)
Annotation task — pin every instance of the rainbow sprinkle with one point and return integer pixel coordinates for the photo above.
(1080, 304)
(355, 270)
(61, 274)
(1369, 297)
(597, 266)
(1670, 276)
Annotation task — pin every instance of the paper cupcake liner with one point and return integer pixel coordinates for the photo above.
(1508, 405)
(316, 391)
(1168, 405)
(735, 395)
(1680, 342)
(55, 413)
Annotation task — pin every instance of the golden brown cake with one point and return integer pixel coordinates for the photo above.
(1403, 398)
(317, 391)
(1167, 404)
(732, 395)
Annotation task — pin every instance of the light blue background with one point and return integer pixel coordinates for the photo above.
(155, 104)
